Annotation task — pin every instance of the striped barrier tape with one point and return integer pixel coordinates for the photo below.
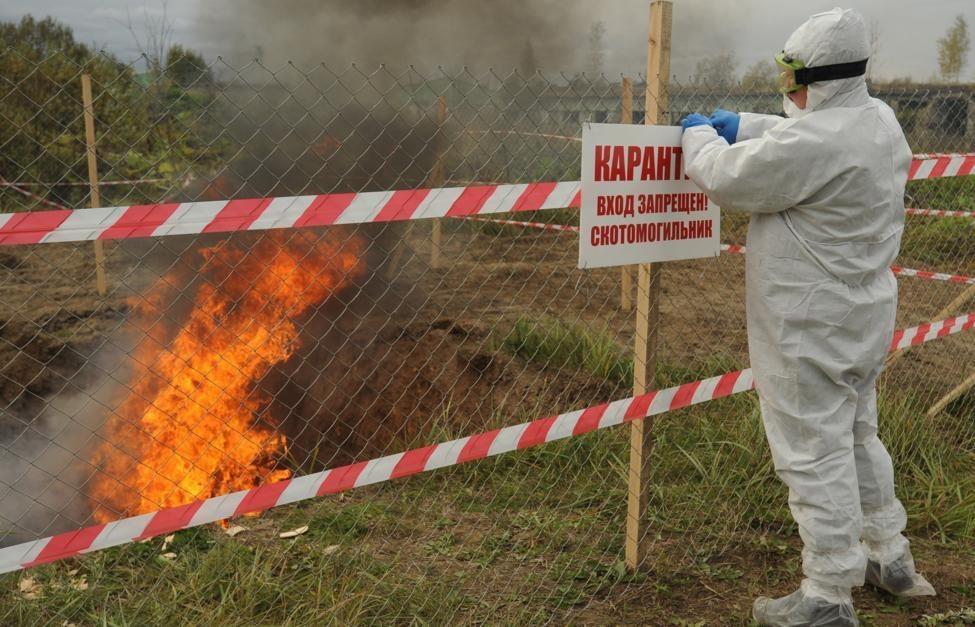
(933, 166)
(897, 270)
(543, 226)
(256, 214)
(527, 134)
(943, 155)
(939, 213)
(739, 250)
(83, 183)
(26, 192)
(923, 333)
(413, 462)
(933, 276)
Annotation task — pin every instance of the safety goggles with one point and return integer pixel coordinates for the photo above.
(795, 75)
(787, 79)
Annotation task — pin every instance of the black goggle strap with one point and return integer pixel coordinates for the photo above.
(809, 75)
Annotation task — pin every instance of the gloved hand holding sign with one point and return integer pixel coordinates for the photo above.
(726, 123)
(695, 119)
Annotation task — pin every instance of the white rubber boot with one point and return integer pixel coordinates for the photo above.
(812, 605)
(890, 567)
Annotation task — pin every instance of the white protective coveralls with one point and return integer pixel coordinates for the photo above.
(825, 191)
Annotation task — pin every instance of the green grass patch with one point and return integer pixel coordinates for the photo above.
(953, 194)
(940, 240)
(560, 346)
(557, 346)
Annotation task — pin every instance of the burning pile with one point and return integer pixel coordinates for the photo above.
(191, 425)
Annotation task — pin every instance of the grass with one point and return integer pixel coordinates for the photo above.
(525, 537)
(559, 346)
(960, 617)
(939, 240)
(952, 194)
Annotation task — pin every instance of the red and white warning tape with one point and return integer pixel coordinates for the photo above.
(526, 134)
(543, 226)
(256, 214)
(933, 276)
(26, 192)
(737, 249)
(481, 446)
(83, 183)
(898, 270)
(938, 213)
(930, 331)
(933, 166)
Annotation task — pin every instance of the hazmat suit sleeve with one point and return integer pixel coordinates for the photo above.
(752, 125)
(777, 171)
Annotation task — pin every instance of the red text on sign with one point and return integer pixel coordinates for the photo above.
(639, 163)
(615, 234)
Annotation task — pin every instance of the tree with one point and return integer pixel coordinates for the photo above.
(953, 50)
(717, 73)
(157, 38)
(43, 133)
(187, 68)
(761, 76)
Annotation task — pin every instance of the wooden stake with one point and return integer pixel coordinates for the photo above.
(626, 272)
(647, 310)
(437, 178)
(100, 281)
(951, 396)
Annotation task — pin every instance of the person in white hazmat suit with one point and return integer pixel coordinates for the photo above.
(825, 190)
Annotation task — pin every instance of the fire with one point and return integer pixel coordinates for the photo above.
(190, 426)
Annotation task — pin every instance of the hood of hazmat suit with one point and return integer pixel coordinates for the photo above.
(825, 190)
(828, 39)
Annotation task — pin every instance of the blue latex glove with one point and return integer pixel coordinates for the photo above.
(695, 119)
(726, 123)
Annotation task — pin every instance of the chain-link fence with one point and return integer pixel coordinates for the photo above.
(218, 362)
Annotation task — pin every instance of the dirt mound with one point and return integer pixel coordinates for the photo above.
(399, 387)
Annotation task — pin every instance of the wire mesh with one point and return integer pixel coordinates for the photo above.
(221, 362)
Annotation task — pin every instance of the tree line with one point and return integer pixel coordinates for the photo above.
(153, 124)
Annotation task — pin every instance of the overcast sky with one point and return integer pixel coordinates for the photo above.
(751, 29)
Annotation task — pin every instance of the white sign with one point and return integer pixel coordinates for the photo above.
(638, 206)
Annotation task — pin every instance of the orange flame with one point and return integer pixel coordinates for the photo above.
(188, 428)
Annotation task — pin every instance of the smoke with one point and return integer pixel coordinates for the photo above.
(44, 465)
(548, 35)
(426, 33)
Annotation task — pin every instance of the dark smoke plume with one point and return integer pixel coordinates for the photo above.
(427, 33)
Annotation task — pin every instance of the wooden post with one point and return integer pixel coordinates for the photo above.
(951, 396)
(437, 177)
(647, 303)
(100, 282)
(626, 272)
